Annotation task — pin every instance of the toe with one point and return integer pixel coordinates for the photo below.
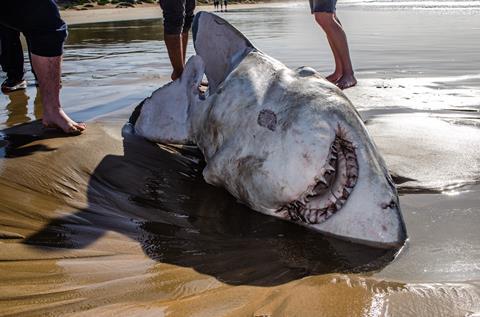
(80, 126)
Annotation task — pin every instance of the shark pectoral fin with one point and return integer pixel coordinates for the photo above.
(164, 116)
(192, 78)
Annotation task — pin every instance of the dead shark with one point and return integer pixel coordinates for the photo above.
(287, 143)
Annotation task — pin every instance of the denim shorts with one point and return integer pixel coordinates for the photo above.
(39, 21)
(177, 15)
(322, 6)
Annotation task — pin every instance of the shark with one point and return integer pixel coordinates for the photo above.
(287, 143)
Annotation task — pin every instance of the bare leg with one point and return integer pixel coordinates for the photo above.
(338, 41)
(184, 45)
(175, 53)
(48, 73)
(333, 77)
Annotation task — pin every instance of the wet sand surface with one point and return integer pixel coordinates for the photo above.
(101, 225)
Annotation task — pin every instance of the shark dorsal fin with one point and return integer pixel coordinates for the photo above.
(221, 46)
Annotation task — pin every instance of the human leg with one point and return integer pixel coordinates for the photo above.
(48, 71)
(189, 15)
(11, 60)
(338, 41)
(173, 21)
(31, 64)
(175, 53)
(324, 12)
(40, 22)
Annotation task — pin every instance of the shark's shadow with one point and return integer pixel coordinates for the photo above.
(156, 195)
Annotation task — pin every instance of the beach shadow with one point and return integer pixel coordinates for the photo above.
(156, 195)
(17, 141)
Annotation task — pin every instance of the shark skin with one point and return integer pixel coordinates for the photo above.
(285, 142)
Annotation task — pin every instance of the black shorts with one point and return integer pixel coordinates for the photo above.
(323, 6)
(177, 15)
(39, 21)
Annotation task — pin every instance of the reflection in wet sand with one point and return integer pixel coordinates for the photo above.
(17, 107)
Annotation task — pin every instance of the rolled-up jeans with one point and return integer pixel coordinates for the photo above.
(177, 15)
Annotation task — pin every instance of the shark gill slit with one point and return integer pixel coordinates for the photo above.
(332, 188)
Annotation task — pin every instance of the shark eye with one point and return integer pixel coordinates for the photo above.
(392, 204)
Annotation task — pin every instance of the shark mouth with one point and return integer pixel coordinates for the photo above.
(331, 189)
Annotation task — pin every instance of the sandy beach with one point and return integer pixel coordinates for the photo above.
(102, 225)
(143, 12)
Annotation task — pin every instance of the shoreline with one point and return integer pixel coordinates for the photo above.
(144, 12)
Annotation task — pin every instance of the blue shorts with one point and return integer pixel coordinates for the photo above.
(39, 21)
(323, 6)
(177, 15)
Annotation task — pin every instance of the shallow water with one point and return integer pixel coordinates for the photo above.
(101, 225)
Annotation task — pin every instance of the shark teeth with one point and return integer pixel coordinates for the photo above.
(333, 186)
(329, 168)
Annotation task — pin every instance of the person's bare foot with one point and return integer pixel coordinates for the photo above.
(333, 78)
(346, 81)
(58, 119)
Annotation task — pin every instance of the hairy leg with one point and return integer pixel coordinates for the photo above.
(48, 72)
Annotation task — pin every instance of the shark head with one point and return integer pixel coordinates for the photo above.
(285, 142)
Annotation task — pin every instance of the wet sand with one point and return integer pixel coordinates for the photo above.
(101, 225)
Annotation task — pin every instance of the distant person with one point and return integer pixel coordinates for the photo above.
(216, 3)
(177, 20)
(225, 4)
(40, 22)
(12, 61)
(324, 11)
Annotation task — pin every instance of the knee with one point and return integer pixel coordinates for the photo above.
(325, 19)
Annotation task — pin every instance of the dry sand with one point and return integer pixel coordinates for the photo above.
(143, 12)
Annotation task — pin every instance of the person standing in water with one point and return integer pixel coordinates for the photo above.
(177, 20)
(325, 15)
(45, 31)
(12, 61)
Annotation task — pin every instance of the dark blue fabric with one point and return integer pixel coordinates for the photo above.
(39, 21)
(323, 6)
(177, 15)
(11, 53)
